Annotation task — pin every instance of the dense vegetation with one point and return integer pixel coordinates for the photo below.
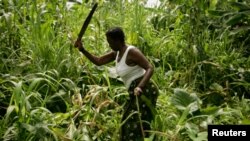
(49, 91)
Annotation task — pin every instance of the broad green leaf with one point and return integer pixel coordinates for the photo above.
(39, 110)
(35, 82)
(239, 30)
(29, 127)
(60, 134)
(216, 87)
(71, 130)
(182, 100)
(235, 19)
(246, 12)
(209, 110)
(10, 109)
(183, 117)
(159, 121)
(201, 136)
(245, 121)
(240, 5)
(192, 130)
(217, 12)
(213, 4)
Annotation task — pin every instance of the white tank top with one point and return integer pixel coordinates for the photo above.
(128, 73)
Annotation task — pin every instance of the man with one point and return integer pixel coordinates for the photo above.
(136, 71)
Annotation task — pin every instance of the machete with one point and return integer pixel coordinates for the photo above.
(87, 21)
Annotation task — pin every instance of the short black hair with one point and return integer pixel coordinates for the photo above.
(116, 33)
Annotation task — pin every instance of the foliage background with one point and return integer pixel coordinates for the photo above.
(49, 91)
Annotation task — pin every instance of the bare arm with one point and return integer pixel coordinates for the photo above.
(94, 59)
(138, 58)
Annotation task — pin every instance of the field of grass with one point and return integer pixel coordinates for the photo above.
(49, 91)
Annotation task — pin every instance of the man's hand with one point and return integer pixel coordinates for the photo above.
(137, 91)
(79, 45)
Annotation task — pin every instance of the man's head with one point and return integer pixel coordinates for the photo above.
(115, 37)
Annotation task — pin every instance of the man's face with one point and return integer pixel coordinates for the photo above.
(113, 44)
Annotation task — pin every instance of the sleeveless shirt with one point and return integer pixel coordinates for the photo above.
(128, 73)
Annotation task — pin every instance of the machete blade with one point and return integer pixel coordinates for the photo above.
(87, 21)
